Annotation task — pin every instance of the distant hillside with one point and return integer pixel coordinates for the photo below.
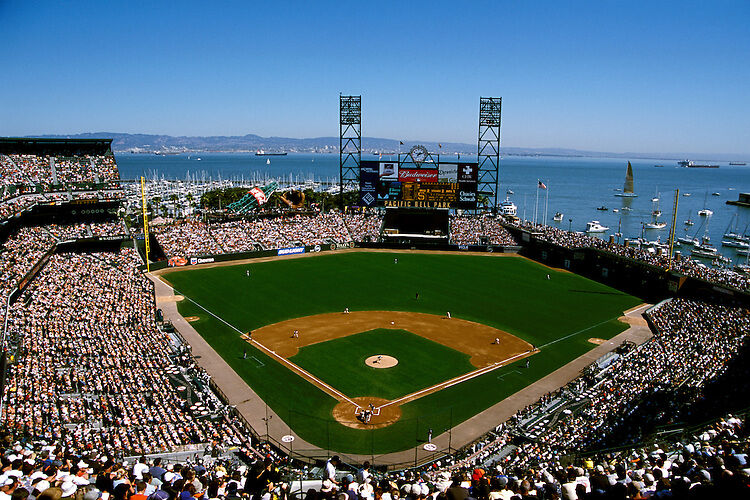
(146, 143)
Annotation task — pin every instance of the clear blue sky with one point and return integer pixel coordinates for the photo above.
(599, 75)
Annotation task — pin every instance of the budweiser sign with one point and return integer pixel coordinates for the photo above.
(406, 175)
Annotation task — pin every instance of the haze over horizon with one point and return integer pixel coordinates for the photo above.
(663, 77)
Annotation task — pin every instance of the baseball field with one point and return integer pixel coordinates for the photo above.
(336, 335)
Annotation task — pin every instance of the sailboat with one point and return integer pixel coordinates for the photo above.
(655, 223)
(705, 249)
(705, 212)
(627, 190)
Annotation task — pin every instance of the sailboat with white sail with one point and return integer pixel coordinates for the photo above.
(627, 190)
(655, 213)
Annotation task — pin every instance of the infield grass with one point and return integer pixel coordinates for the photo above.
(509, 293)
(421, 363)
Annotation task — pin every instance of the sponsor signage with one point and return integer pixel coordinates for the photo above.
(441, 185)
(448, 172)
(259, 195)
(467, 172)
(421, 175)
(388, 171)
(368, 184)
(201, 260)
(290, 251)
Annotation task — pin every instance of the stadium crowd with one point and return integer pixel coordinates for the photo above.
(27, 179)
(192, 237)
(26, 171)
(90, 367)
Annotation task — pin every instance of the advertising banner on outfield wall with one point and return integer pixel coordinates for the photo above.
(290, 251)
(368, 184)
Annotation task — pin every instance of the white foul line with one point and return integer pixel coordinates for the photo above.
(301, 370)
(457, 380)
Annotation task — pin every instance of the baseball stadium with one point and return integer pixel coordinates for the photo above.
(417, 330)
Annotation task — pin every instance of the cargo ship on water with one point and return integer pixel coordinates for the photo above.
(260, 152)
(692, 164)
(737, 163)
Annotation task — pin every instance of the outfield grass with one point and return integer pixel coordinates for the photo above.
(421, 363)
(508, 293)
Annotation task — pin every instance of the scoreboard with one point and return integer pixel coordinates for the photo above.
(427, 185)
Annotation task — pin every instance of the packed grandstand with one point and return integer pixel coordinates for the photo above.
(95, 381)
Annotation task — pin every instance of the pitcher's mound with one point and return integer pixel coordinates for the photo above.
(344, 413)
(381, 361)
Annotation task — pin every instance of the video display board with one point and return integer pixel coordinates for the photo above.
(429, 185)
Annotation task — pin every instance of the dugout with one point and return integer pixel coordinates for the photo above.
(413, 225)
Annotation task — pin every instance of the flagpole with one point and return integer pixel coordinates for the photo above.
(546, 199)
(536, 203)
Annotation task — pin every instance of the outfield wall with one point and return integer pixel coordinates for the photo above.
(652, 283)
(325, 247)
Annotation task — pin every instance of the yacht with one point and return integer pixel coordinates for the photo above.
(655, 222)
(705, 212)
(508, 208)
(558, 217)
(595, 227)
(688, 241)
(704, 250)
(735, 244)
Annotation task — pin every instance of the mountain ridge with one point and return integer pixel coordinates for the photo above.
(162, 143)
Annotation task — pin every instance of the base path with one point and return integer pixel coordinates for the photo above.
(475, 339)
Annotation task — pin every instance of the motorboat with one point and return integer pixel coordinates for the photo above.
(508, 208)
(689, 223)
(655, 225)
(602, 208)
(595, 227)
(558, 217)
(685, 194)
(715, 194)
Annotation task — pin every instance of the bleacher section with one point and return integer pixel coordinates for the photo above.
(34, 171)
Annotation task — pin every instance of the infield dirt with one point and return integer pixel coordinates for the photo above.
(474, 339)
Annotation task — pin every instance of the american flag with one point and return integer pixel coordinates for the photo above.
(541, 185)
